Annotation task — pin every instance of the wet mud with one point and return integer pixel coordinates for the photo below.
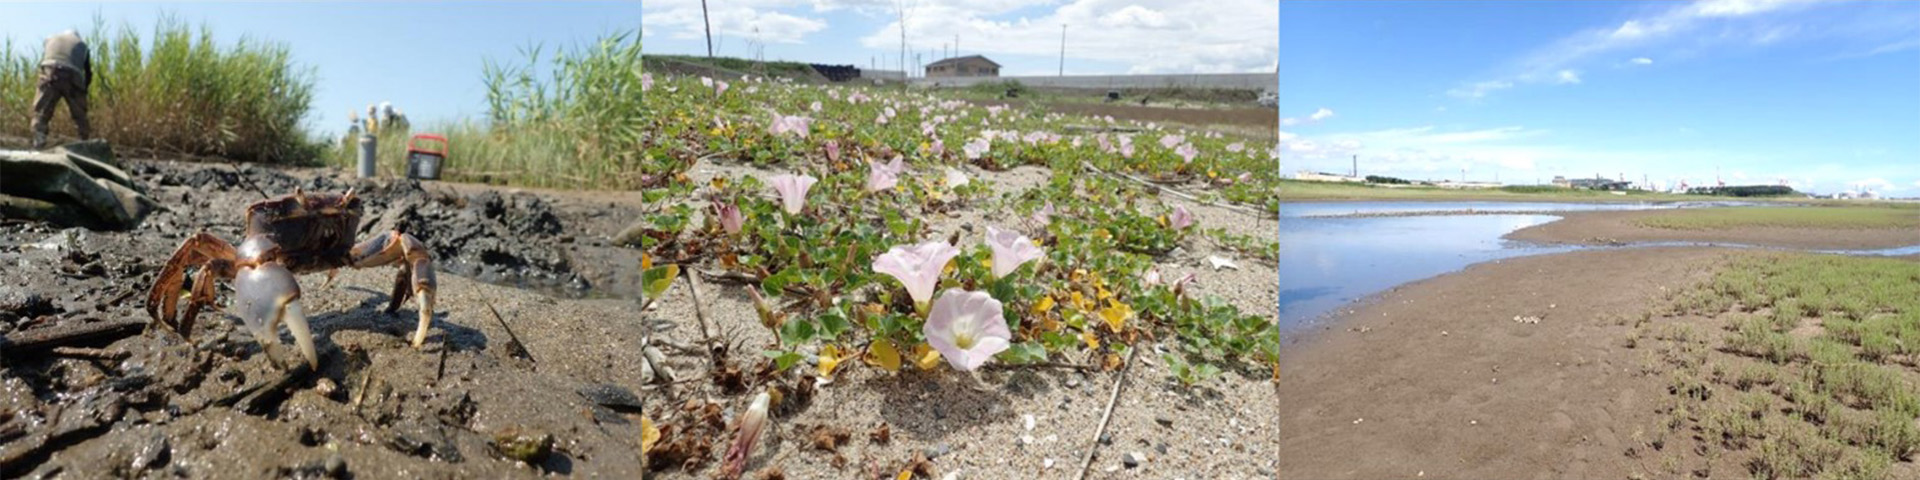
(89, 390)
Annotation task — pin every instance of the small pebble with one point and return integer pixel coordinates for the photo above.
(1029, 421)
(1046, 463)
(1164, 421)
(1161, 447)
(1133, 459)
(336, 465)
(936, 451)
(1106, 439)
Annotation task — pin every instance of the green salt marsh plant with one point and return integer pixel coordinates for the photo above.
(175, 88)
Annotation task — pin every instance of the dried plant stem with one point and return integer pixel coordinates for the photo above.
(1195, 199)
(1112, 399)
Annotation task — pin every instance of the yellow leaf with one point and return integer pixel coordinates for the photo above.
(925, 357)
(648, 435)
(1113, 362)
(1079, 301)
(1116, 315)
(986, 263)
(1093, 341)
(1103, 293)
(646, 261)
(904, 475)
(1043, 306)
(830, 357)
(882, 354)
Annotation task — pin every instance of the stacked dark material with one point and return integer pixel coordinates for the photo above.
(837, 73)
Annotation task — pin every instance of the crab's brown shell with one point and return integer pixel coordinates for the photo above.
(311, 231)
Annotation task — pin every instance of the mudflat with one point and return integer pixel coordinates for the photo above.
(1507, 369)
(1625, 226)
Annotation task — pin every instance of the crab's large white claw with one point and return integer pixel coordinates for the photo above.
(426, 318)
(266, 295)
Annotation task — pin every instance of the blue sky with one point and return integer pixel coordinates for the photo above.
(425, 57)
(1822, 95)
(1103, 36)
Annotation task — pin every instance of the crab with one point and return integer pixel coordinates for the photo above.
(287, 236)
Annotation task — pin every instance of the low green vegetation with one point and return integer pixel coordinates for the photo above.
(777, 69)
(177, 90)
(1828, 217)
(1307, 190)
(1801, 366)
(577, 125)
(832, 190)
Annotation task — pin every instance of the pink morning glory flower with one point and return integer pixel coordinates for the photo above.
(815, 107)
(793, 191)
(1010, 250)
(1181, 218)
(976, 147)
(785, 124)
(1044, 215)
(917, 267)
(1187, 152)
(882, 176)
(730, 217)
(646, 81)
(1237, 147)
(1170, 140)
(967, 328)
(833, 150)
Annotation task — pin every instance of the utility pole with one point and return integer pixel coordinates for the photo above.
(709, 24)
(1063, 49)
(1356, 167)
(902, 10)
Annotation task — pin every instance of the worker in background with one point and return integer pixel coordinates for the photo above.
(66, 72)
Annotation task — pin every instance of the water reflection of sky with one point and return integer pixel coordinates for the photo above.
(1321, 209)
(1328, 262)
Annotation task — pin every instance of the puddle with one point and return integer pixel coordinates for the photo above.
(1329, 257)
(1328, 262)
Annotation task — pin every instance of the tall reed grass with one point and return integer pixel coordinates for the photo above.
(573, 124)
(177, 90)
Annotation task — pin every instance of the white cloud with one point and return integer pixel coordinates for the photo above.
(1480, 89)
(1917, 183)
(1322, 114)
(1419, 149)
(1695, 25)
(750, 20)
(1149, 36)
(1876, 184)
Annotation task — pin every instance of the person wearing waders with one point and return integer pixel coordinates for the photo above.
(66, 71)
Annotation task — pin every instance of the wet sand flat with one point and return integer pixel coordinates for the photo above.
(1437, 378)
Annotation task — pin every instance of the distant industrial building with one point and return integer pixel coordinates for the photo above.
(967, 66)
(1326, 177)
(1596, 183)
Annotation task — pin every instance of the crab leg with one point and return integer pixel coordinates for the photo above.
(415, 277)
(216, 257)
